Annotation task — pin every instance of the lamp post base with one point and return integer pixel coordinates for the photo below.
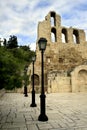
(33, 104)
(42, 118)
(25, 91)
(26, 95)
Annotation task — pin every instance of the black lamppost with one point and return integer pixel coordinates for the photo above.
(42, 117)
(25, 81)
(33, 104)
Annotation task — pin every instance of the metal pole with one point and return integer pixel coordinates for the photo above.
(25, 86)
(33, 104)
(42, 91)
(25, 91)
(33, 78)
(42, 116)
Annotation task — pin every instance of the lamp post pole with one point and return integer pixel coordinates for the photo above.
(33, 104)
(25, 82)
(25, 91)
(42, 116)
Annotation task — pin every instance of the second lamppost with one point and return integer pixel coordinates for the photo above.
(25, 81)
(42, 46)
(33, 104)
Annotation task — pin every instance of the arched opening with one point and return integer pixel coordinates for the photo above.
(82, 78)
(75, 36)
(36, 79)
(79, 79)
(64, 36)
(53, 35)
(52, 19)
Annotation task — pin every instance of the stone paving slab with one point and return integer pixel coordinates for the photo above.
(65, 111)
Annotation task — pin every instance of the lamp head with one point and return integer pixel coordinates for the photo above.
(34, 58)
(42, 43)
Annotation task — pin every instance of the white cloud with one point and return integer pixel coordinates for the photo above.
(21, 17)
(33, 46)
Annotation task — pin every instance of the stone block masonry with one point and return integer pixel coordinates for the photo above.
(65, 52)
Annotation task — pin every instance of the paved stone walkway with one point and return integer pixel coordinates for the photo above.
(66, 111)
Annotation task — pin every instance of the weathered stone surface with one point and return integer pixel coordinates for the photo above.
(65, 111)
(66, 50)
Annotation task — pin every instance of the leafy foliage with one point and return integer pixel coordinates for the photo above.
(12, 43)
(12, 62)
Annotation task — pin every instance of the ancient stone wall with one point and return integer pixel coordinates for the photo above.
(66, 49)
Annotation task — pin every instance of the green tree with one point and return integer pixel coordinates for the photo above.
(12, 62)
(25, 48)
(5, 42)
(10, 73)
(12, 42)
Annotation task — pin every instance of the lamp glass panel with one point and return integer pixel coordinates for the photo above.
(33, 58)
(43, 46)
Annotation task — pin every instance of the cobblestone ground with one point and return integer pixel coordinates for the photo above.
(65, 111)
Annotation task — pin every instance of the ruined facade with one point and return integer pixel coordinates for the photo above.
(65, 57)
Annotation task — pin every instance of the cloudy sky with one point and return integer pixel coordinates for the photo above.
(21, 17)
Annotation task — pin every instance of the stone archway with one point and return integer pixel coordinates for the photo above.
(36, 79)
(36, 82)
(79, 79)
(82, 78)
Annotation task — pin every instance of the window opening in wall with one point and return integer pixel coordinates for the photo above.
(60, 60)
(53, 35)
(75, 37)
(52, 19)
(48, 60)
(64, 36)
